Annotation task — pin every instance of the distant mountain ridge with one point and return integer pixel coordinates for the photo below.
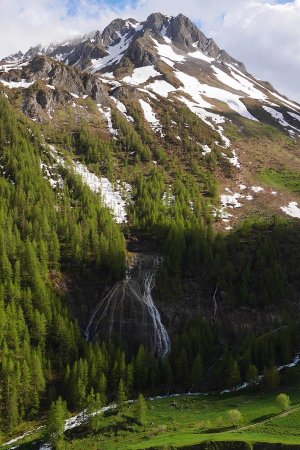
(95, 45)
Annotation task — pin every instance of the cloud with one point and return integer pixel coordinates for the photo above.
(265, 35)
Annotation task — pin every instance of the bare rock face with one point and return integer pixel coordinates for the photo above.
(83, 54)
(184, 33)
(140, 54)
(155, 22)
(112, 33)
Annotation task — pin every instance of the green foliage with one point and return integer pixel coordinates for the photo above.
(94, 150)
(140, 409)
(40, 234)
(281, 179)
(56, 423)
(130, 139)
(94, 417)
(282, 402)
(235, 417)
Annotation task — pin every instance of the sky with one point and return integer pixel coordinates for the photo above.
(264, 34)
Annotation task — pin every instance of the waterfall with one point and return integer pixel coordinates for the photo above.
(128, 312)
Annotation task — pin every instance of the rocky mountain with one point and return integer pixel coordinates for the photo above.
(164, 60)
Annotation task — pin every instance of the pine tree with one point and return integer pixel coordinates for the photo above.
(121, 397)
(56, 423)
(251, 375)
(140, 409)
(94, 417)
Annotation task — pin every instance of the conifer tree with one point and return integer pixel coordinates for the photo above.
(140, 409)
(56, 423)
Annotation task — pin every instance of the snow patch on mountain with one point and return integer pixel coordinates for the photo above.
(17, 84)
(110, 197)
(196, 89)
(115, 53)
(150, 116)
(167, 52)
(238, 83)
(292, 210)
(234, 160)
(122, 108)
(106, 111)
(295, 116)
(200, 55)
(161, 87)
(141, 75)
(278, 116)
(257, 189)
(206, 150)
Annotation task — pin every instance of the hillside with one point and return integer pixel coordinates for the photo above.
(149, 219)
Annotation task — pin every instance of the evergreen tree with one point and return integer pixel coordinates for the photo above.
(140, 409)
(56, 423)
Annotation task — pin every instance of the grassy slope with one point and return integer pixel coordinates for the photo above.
(282, 179)
(185, 421)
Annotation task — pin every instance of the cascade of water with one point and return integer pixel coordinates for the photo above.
(162, 340)
(128, 309)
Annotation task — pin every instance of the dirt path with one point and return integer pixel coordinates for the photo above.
(253, 425)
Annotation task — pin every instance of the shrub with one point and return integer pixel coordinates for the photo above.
(282, 402)
(235, 417)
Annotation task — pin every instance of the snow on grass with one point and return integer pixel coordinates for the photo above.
(167, 52)
(206, 150)
(161, 87)
(110, 197)
(238, 83)
(106, 111)
(196, 90)
(257, 189)
(150, 116)
(193, 88)
(209, 118)
(230, 200)
(292, 210)
(200, 55)
(168, 198)
(141, 75)
(283, 100)
(122, 108)
(115, 53)
(149, 94)
(17, 84)
(278, 116)
(286, 102)
(51, 175)
(234, 160)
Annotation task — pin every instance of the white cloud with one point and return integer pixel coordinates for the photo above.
(262, 34)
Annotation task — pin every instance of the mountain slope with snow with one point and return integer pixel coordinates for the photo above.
(145, 65)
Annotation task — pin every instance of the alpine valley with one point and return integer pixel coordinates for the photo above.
(149, 245)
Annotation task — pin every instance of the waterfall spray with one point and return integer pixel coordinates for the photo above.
(128, 311)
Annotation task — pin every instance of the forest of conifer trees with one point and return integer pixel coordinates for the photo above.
(46, 235)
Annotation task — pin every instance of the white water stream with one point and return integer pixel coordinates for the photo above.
(80, 418)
